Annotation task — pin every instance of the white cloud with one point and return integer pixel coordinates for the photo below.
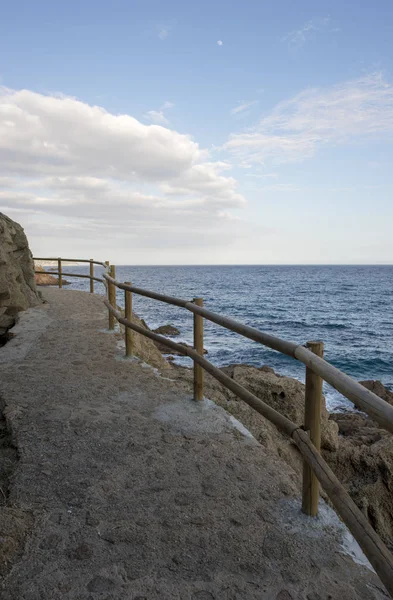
(220, 43)
(298, 37)
(243, 107)
(157, 116)
(68, 166)
(163, 31)
(208, 182)
(61, 135)
(297, 128)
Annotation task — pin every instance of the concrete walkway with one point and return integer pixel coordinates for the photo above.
(139, 493)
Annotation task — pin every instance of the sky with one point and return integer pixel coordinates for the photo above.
(215, 132)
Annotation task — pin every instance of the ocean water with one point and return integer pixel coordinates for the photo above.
(348, 307)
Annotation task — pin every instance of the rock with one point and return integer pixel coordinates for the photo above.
(145, 325)
(146, 349)
(6, 322)
(358, 426)
(46, 278)
(379, 389)
(363, 462)
(168, 330)
(17, 285)
(284, 394)
(165, 350)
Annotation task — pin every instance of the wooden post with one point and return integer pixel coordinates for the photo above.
(198, 346)
(312, 425)
(60, 272)
(112, 296)
(129, 334)
(91, 275)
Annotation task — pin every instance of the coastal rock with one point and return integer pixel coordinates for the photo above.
(17, 285)
(168, 330)
(284, 394)
(44, 278)
(379, 389)
(364, 464)
(165, 350)
(144, 348)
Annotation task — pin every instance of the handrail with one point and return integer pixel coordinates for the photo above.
(370, 542)
(79, 260)
(60, 272)
(372, 404)
(99, 279)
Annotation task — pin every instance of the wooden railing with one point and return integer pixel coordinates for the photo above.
(60, 273)
(307, 437)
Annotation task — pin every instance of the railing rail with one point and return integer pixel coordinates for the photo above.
(317, 369)
(372, 404)
(99, 279)
(74, 260)
(60, 271)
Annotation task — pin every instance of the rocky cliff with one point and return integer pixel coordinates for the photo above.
(17, 286)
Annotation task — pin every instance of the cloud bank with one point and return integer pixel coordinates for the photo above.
(84, 170)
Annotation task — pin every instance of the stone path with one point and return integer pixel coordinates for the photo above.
(138, 493)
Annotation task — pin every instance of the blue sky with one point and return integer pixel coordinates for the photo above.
(227, 132)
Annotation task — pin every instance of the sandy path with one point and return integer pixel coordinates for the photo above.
(139, 493)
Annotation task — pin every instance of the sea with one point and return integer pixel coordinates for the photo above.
(349, 308)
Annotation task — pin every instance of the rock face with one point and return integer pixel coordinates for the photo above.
(17, 285)
(364, 464)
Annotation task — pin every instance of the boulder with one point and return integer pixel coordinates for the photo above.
(17, 285)
(168, 330)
